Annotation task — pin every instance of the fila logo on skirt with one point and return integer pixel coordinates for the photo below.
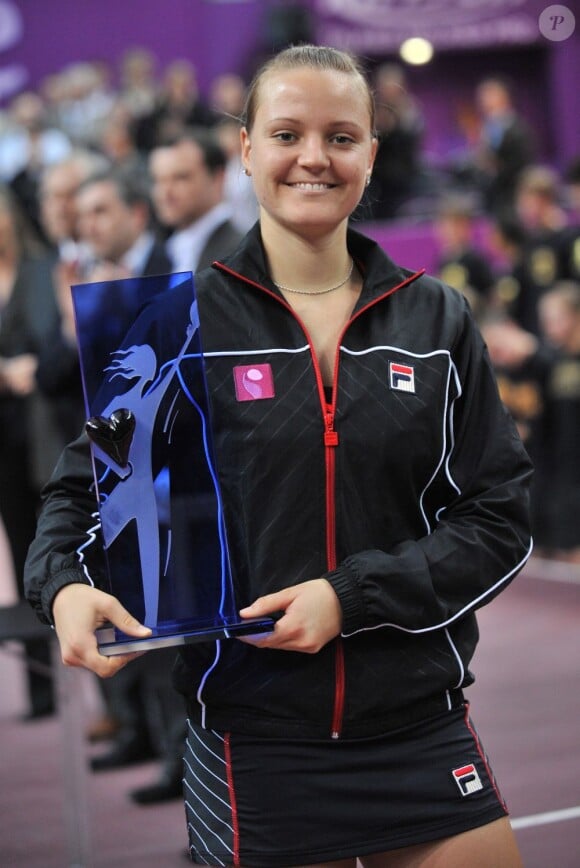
(467, 780)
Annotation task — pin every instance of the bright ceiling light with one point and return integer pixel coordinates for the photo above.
(416, 50)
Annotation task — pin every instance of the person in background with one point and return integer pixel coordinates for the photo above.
(27, 314)
(400, 129)
(179, 106)
(521, 361)
(86, 102)
(515, 292)
(461, 263)
(57, 375)
(506, 145)
(187, 177)
(559, 313)
(238, 188)
(30, 147)
(138, 89)
(375, 496)
(227, 96)
(539, 380)
(117, 140)
(539, 206)
(570, 247)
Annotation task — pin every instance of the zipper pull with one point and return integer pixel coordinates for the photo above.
(330, 436)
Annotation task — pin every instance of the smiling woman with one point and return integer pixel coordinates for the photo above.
(311, 135)
(375, 496)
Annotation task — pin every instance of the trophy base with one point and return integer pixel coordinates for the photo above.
(112, 641)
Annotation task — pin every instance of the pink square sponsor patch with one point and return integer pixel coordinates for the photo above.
(253, 382)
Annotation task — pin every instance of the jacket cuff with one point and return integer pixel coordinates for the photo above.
(350, 598)
(51, 589)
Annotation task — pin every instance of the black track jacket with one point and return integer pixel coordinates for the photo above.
(408, 492)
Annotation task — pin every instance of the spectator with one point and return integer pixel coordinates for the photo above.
(515, 291)
(188, 197)
(29, 142)
(87, 101)
(238, 188)
(506, 144)
(28, 313)
(559, 312)
(179, 105)
(522, 362)
(570, 249)
(460, 263)
(29, 149)
(58, 375)
(400, 130)
(138, 86)
(538, 204)
(539, 381)
(228, 95)
(117, 140)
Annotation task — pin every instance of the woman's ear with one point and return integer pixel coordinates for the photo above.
(374, 146)
(246, 148)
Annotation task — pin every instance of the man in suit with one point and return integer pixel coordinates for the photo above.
(99, 222)
(114, 222)
(507, 143)
(188, 175)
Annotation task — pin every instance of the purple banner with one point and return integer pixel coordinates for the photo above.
(40, 37)
(380, 26)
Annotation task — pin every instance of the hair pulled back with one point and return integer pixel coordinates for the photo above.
(318, 57)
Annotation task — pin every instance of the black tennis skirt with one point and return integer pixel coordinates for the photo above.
(260, 802)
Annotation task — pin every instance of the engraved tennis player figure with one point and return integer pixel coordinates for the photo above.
(133, 498)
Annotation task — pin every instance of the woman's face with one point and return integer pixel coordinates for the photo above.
(310, 149)
(558, 321)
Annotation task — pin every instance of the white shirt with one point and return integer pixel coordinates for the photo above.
(185, 246)
(135, 259)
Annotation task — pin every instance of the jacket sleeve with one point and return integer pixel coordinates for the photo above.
(477, 544)
(68, 546)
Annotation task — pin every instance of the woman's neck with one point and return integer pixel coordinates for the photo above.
(305, 263)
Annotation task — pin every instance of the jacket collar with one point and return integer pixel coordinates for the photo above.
(381, 274)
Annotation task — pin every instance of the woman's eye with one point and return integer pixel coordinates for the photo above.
(285, 137)
(342, 140)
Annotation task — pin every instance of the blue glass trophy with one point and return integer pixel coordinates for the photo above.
(156, 481)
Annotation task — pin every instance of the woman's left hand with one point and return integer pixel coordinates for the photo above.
(311, 617)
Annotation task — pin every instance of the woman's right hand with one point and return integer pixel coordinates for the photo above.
(78, 610)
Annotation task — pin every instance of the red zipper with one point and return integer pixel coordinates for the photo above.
(330, 444)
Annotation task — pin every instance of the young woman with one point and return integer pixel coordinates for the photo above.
(375, 496)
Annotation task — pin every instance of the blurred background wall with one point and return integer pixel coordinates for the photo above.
(472, 38)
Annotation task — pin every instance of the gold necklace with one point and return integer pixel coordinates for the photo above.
(317, 291)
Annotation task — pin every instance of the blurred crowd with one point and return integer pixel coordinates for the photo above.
(102, 181)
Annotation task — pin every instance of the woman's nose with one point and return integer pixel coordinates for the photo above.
(314, 152)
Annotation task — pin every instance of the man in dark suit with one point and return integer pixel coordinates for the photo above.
(507, 143)
(114, 222)
(188, 175)
(112, 240)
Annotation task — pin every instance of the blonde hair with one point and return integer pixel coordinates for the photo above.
(313, 57)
